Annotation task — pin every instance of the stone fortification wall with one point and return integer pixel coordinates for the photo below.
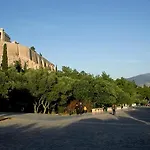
(17, 52)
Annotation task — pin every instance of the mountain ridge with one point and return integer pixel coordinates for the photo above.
(141, 79)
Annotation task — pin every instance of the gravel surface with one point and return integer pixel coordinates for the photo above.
(126, 130)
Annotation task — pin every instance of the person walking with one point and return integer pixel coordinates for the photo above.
(85, 109)
(114, 109)
(81, 108)
(77, 108)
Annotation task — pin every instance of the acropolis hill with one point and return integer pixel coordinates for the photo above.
(16, 52)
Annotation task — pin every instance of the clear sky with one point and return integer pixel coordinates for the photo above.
(90, 35)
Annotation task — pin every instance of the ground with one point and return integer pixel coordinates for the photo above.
(126, 130)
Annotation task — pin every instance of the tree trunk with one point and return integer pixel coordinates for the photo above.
(37, 104)
(35, 111)
(45, 106)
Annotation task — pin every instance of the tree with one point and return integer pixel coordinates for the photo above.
(106, 76)
(122, 97)
(4, 85)
(40, 83)
(44, 90)
(32, 48)
(129, 88)
(56, 68)
(64, 90)
(18, 65)
(4, 89)
(66, 70)
(81, 90)
(104, 93)
(25, 67)
(4, 58)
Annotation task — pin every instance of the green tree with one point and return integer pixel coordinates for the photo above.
(25, 67)
(122, 97)
(4, 85)
(32, 48)
(40, 83)
(129, 88)
(105, 93)
(56, 68)
(4, 58)
(18, 65)
(64, 90)
(106, 76)
(81, 90)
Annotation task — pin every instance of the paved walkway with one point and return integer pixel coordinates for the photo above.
(127, 130)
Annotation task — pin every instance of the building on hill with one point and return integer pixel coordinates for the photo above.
(26, 55)
(4, 36)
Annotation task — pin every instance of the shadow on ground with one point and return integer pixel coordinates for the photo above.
(10, 114)
(85, 134)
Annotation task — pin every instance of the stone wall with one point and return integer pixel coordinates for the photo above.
(4, 36)
(17, 52)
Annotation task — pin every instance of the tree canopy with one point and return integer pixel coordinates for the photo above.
(42, 91)
(4, 58)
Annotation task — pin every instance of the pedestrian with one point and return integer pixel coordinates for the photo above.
(70, 112)
(85, 109)
(121, 106)
(113, 109)
(77, 108)
(80, 108)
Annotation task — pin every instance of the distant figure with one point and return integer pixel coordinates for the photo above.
(77, 108)
(103, 108)
(70, 112)
(121, 106)
(85, 109)
(80, 108)
(113, 109)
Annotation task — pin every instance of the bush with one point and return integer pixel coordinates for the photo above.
(60, 109)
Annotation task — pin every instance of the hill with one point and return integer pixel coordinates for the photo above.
(141, 79)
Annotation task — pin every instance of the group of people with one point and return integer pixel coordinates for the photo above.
(80, 108)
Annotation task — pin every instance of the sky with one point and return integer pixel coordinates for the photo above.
(90, 35)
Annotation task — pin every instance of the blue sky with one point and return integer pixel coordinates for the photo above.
(90, 35)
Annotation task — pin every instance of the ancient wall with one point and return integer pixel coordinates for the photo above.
(4, 36)
(16, 51)
(11, 53)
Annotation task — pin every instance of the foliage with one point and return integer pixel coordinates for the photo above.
(32, 48)
(4, 58)
(18, 65)
(25, 67)
(41, 91)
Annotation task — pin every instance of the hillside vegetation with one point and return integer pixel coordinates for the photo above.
(41, 91)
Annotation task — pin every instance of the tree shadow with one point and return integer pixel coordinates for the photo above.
(21, 100)
(82, 134)
(4, 103)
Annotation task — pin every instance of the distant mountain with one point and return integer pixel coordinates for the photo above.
(141, 79)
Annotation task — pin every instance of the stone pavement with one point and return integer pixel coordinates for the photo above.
(127, 130)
